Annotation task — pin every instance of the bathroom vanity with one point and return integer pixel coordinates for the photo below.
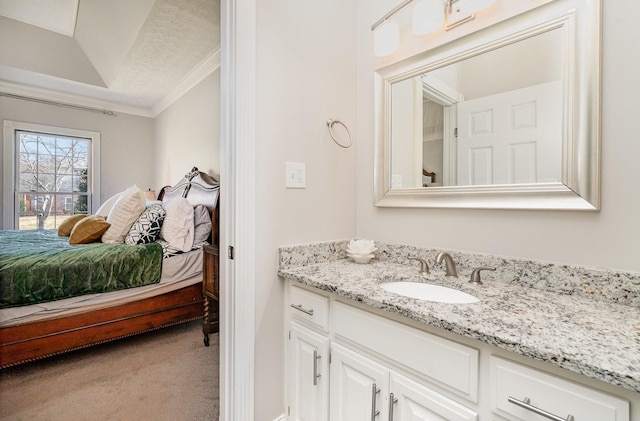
(358, 352)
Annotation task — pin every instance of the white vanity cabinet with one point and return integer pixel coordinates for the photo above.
(307, 355)
(358, 386)
(362, 389)
(411, 400)
(448, 364)
(308, 379)
(523, 393)
(346, 362)
(369, 373)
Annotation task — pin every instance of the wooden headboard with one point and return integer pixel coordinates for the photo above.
(199, 189)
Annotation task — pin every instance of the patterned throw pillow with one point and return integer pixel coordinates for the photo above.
(147, 227)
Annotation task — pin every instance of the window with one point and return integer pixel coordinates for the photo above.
(69, 205)
(53, 174)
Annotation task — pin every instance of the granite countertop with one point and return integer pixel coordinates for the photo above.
(598, 339)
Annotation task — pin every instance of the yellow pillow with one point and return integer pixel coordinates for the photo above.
(65, 228)
(88, 230)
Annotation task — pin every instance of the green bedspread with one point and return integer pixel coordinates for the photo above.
(39, 266)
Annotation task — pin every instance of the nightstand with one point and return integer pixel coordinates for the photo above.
(210, 291)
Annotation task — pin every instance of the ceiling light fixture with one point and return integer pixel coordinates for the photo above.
(428, 16)
(386, 39)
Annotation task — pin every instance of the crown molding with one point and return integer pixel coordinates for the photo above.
(204, 69)
(197, 75)
(71, 99)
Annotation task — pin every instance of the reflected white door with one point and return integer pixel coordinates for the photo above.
(513, 137)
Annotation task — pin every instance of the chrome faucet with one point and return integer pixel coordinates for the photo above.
(424, 266)
(448, 260)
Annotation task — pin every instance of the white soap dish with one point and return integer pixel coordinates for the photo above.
(361, 258)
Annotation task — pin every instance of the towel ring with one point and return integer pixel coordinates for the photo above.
(330, 124)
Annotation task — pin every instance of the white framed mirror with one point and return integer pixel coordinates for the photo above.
(507, 117)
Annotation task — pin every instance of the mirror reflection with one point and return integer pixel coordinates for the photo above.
(494, 118)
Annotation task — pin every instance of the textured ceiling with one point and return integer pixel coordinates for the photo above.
(133, 53)
(177, 36)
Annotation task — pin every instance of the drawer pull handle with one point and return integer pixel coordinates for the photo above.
(302, 309)
(392, 401)
(374, 393)
(316, 375)
(526, 404)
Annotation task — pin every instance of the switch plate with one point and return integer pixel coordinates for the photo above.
(295, 175)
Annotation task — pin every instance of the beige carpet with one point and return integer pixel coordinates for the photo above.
(164, 375)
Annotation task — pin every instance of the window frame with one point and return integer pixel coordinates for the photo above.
(10, 207)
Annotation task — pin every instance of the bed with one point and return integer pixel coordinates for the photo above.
(32, 332)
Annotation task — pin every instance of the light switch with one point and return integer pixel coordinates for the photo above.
(295, 175)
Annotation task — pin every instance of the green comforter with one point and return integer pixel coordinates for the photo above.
(39, 266)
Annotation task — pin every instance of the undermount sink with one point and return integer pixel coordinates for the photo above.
(429, 292)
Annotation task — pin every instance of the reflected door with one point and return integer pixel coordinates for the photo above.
(511, 138)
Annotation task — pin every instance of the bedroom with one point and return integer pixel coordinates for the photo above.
(172, 117)
(289, 70)
(139, 137)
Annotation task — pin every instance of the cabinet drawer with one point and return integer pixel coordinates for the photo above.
(549, 393)
(309, 306)
(447, 363)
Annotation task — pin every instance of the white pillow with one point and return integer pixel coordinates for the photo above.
(202, 224)
(106, 207)
(178, 228)
(124, 213)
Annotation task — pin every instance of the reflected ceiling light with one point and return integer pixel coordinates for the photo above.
(386, 38)
(428, 16)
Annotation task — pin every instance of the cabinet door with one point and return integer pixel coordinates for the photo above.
(308, 374)
(412, 401)
(520, 392)
(359, 387)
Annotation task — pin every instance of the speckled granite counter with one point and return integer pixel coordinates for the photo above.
(594, 337)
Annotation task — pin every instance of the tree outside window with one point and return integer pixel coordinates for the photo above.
(53, 178)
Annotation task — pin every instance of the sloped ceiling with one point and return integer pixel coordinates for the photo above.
(55, 15)
(135, 53)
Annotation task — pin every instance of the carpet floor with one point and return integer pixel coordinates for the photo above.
(164, 375)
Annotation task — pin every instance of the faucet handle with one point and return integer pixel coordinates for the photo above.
(424, 266)
(475, 275)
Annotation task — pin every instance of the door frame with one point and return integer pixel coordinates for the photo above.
(237, 209)
(448, 97)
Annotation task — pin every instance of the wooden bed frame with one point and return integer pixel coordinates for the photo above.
(31, 341)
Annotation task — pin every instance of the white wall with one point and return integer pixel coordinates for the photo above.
(605, 239)
(306, 74)
(127, 148)
(188, 134)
